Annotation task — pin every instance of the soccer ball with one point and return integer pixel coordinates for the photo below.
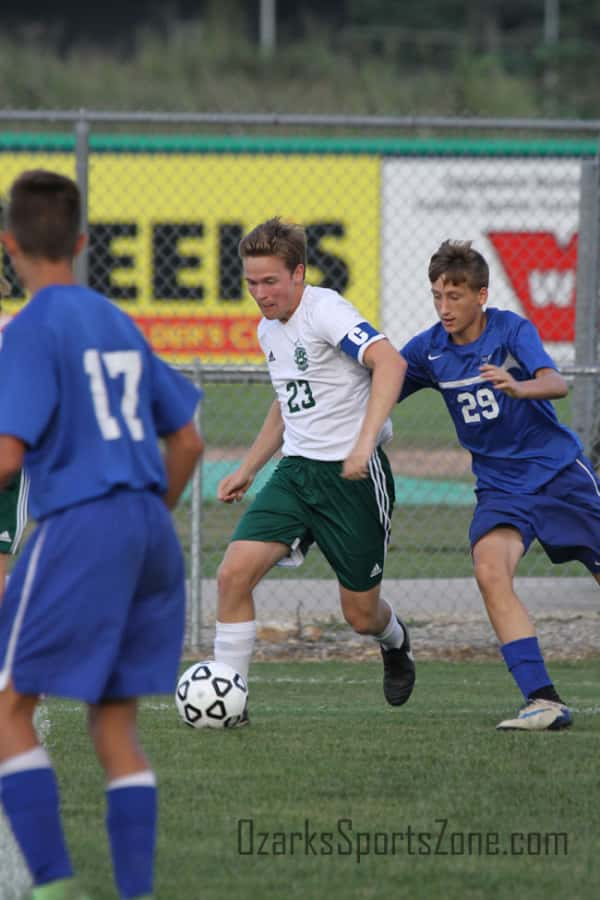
(211, 694)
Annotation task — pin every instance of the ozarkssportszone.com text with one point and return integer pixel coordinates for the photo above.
(346, 839)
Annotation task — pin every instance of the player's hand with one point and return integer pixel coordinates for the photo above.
(233, 487)
(502, 380)
(356, 465)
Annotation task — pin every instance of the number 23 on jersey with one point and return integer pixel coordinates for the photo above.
(299, 396)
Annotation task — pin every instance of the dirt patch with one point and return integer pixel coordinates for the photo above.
(562, 637)
(215, 454)
(430, 463)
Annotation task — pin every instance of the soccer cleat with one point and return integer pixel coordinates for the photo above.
(398, 671)
(64, 889)
(243, 720)
(539, 715)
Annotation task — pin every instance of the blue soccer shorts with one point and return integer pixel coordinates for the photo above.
(564, 515)
(95, 606)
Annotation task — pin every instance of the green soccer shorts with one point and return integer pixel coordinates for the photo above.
(307, 500)
(13, 513)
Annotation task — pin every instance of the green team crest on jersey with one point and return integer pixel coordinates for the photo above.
(301, 358)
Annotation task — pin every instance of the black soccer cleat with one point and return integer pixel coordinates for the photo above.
(398, 671)
(244, 719)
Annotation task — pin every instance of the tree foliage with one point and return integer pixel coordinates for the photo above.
(415, 57)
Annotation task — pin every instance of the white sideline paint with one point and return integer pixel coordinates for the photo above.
(14, 877)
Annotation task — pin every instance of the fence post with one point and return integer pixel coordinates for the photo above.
(587, 295)
(195, 597)
(82, 159)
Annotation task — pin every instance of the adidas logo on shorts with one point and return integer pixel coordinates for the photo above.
(376, 570)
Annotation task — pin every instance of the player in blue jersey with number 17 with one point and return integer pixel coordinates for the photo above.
(94, 609)
(533, 480)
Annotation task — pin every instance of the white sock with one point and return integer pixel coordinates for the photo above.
(234, 644)
(147, 778)
(36, 758)
(392, 636)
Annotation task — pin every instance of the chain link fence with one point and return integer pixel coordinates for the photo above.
(167, 199)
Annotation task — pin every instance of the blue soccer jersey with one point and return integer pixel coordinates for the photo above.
(516, 445)
(102, 431)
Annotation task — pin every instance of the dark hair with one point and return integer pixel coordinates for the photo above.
(44, 214)
(457, 262)
(276, 238)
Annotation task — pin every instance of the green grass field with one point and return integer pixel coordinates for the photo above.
(325, 755)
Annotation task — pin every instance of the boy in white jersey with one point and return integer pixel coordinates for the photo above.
(336, 379)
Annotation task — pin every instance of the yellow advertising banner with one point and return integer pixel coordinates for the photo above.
(164, 230)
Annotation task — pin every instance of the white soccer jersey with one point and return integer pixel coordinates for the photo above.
(322, 391)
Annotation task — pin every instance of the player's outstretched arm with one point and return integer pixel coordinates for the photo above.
(267, 442)
(183, 449)
(12, 452)
(548, 384)
(388, 368)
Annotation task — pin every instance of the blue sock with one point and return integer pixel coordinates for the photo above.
(31, 803)
(526, 664)
(131, 824)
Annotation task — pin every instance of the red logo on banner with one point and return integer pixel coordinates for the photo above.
(201, 335)
(542, 274)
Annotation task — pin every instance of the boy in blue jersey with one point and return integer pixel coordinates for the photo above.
(533, 480)
(94, 609)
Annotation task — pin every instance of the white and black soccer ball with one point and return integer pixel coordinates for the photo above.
(211, 694)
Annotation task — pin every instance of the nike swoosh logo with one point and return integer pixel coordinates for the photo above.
(536, 712)
(429, 356)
